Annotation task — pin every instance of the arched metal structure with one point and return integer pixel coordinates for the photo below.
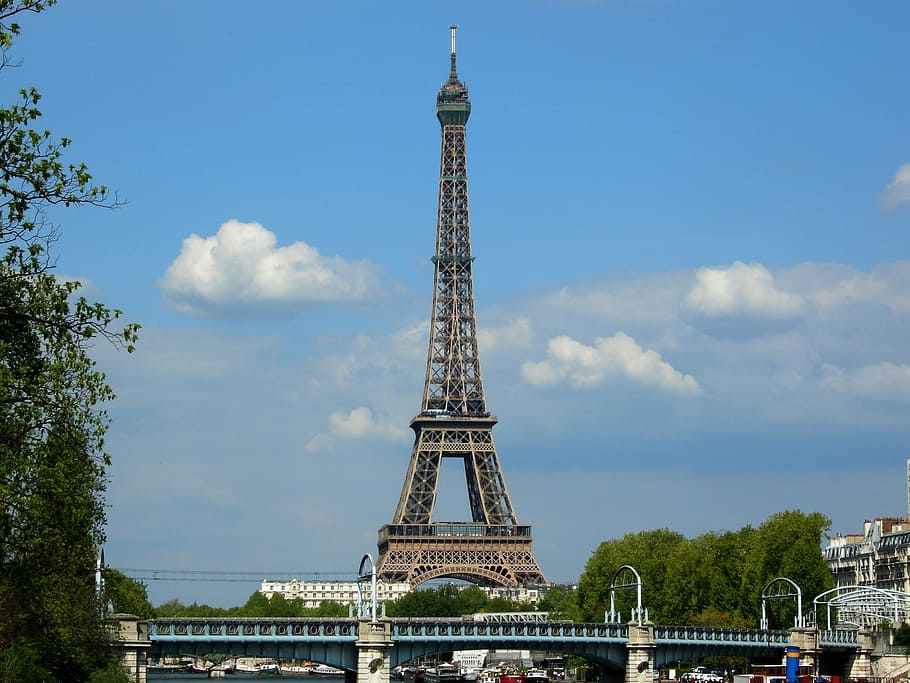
(782, 588)
(366, 572)
(612, 617)
(863, 606)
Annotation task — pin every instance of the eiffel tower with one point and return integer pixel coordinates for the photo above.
(493, 549)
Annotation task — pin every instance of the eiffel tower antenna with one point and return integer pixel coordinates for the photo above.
(492, 548)
(453, 72)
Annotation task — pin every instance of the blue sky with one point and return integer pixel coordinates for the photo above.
(690, 222)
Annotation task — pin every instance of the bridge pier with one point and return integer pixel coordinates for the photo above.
(132, 638)
(640, 650)
(806, 639)
(860, 664)
(374, 644)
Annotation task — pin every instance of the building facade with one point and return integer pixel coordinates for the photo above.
(878, 557)
(314, 593)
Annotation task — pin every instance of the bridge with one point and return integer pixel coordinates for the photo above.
(368, 649)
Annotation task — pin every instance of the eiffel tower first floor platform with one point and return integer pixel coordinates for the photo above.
(484, 554)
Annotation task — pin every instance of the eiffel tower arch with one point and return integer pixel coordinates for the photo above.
(492, 549)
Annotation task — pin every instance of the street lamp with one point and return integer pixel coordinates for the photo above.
(782, 589)
(366, 571)
(613, 616)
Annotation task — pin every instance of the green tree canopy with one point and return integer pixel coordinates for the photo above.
(450, 600)
(52, 424)
(561, 602)
(715, 579)
(648, 552)
(126, 595)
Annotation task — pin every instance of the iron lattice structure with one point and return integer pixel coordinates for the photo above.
(493, 549)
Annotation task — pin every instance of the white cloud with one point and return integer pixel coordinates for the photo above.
(236, 411)
(582, 366)
(897, 193)
(741, 290)
(880, 381)
(360, 423)
(829, 287)
(241, 267)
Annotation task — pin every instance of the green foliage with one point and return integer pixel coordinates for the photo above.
(561, 603)
(450, 600)
(112, 673)
(126, 595)
(715, 579)
(787, 545)
(175, 608)
(257, 605)
(10, 8)
(711, 617)
(648, 552)
(474, 600)
(444, 601)
(901, 635)
(52, 426)
(21, 664)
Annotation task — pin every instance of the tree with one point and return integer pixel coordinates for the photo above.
(561, 603)
(127, 595)
(473, 600)
(52, 425)
(648, 553)
(787, 544)
(22, 664)
(716, 579)
(450, 600)
(428, 602)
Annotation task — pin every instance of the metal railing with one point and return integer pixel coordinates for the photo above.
(454, 530)
(700, 634)
(252, 628)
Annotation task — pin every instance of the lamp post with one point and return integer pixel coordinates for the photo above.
(367, 571)
(613, 616)
(785, 592)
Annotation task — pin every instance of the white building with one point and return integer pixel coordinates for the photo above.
(314, 593)
(524, 595)
(878, 557)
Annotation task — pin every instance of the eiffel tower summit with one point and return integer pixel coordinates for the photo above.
(492, 549)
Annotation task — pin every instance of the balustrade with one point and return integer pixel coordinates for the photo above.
(242, 628)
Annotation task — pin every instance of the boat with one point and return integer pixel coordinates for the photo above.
(512, 678)
(268, 669)
(536, 676)
(159, 668)
(468, 675)
(442, 673)
(242, 668)
(326, 670)
(294, 669)
(248, 669)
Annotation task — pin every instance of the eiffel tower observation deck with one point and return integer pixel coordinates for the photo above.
(492, 549)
